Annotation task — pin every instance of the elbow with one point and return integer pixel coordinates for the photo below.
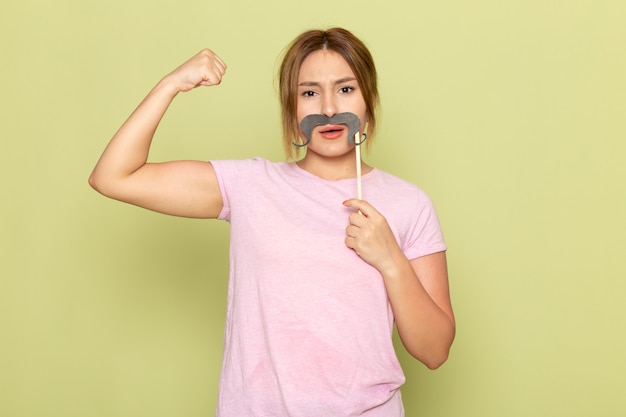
(95, 183)
(435, 361)
(98, 183)
(435, 355)
(439, 356)
(92, 182)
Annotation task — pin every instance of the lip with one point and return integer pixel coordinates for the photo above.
(332, 131)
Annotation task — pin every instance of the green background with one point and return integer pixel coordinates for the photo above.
(510, 114)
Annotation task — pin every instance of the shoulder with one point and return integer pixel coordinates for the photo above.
(246, 167)
(412, 215)
(401, 202)
(401, 189)
(250, 163)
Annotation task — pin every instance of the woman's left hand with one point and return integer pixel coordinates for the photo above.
(417, 289)
(370, 236)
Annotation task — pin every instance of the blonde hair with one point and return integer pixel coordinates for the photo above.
(358, 57)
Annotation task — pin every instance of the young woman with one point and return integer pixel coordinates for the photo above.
(318, 278)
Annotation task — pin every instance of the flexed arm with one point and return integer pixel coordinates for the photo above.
(181, 188)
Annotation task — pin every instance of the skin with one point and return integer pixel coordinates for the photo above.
(417, 289)
(327, 85)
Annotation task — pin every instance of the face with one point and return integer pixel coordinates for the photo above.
(327, 85)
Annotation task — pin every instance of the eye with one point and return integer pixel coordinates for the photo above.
(346, 90)
(308, 93)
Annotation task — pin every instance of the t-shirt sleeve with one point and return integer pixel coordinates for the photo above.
(229, 176)
(425, 237)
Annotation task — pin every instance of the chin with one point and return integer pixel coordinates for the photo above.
(338, 154)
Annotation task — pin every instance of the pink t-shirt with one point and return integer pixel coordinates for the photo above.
(309, 326)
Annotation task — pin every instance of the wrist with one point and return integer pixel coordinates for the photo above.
(394, 265)
(168, 86)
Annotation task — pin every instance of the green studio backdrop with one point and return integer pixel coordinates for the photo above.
(510, 114)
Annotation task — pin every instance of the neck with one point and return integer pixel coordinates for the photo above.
(332, 168)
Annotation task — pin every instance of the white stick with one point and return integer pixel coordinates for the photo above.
(359, 191)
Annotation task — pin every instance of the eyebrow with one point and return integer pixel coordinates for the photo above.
(315, 83)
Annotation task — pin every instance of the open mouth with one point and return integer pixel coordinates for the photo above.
(331, 131)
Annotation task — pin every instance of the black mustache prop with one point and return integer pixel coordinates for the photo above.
(350, 119)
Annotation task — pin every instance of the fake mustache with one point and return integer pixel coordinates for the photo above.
(312, 120)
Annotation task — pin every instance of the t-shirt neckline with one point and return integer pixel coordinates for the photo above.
(303, 172)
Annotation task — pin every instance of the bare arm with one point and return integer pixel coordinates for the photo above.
(417, 289)
(181, 188)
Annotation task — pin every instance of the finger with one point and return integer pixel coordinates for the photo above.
(212, 76)
(360, 205)
(358, 219)
(210, 82)
(212, 62)
(221, 64)
(352, 231)
(215, 77)
(219, 67)
(350, 242)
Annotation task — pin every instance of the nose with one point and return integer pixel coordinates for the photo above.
(329, 107)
